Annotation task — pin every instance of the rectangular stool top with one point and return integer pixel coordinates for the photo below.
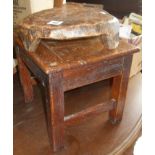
(55, 55)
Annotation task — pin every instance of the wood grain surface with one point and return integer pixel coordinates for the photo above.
(56, 55)
(76, 21)
(93, 136)
(73, 69)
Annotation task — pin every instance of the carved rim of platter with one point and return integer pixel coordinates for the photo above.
(128, 141)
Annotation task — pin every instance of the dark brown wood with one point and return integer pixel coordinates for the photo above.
(64, 65)
(58, 3)
(35, 69)
(87, 74)
(55, 110)
(85, 80)
(25, 78)
(119, 89)
(55, 55)
(34, 81)
(95, 136)
(91, 111)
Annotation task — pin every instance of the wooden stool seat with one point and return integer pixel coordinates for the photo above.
(65, 65)
(64, 55)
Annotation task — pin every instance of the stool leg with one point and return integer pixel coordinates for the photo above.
(119, 89)
(25, 79)
(55, 110)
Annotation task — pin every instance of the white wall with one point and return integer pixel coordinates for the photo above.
(38, 5)
(23, 8)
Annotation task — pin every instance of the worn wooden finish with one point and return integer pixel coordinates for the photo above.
(38, 73)
(86, 74)
(25, 78)
(78, 21)
(62, 66)
(92, 111)
(119, 90)
(80, 53)
(95, 136)
(55, 110)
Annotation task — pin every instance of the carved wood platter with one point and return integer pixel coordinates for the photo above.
(71, 21)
